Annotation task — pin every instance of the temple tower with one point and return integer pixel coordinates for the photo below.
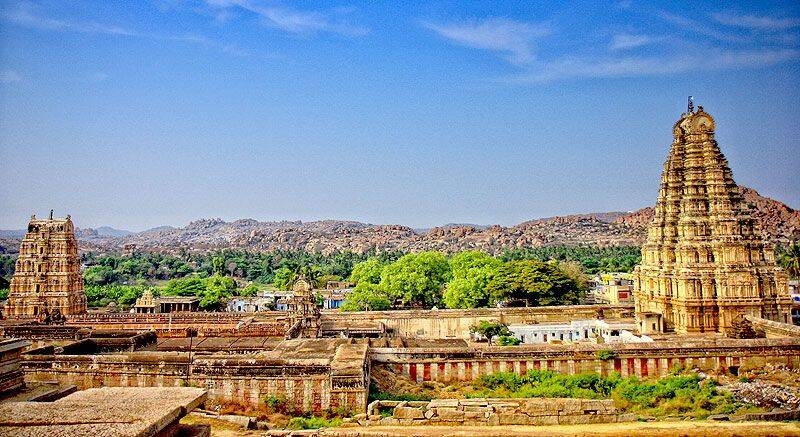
(47, 276)
(303, 308)
(704, 263)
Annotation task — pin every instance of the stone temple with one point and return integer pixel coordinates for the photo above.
(47, 276)
(704, 263)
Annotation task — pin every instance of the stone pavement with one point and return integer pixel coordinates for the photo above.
(107, 411)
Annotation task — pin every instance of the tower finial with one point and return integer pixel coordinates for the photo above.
(51, 214)
(691, 104)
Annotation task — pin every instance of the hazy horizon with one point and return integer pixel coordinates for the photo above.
(163, 112)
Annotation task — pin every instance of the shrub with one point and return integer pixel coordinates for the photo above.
(313, 422)
(606, 354)
(507, 340)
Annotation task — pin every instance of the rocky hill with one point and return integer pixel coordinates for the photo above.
(780, 222)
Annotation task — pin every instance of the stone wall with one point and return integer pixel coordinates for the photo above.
(435, 324)
(493, 412)
(641, 359)
(774, 329)
(175, 324)
(307, 384)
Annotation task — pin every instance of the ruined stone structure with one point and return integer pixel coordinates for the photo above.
(47, 277)
(704, 263)
(303, 311)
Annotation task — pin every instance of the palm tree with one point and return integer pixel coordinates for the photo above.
(790, 260)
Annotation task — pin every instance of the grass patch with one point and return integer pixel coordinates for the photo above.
(673, 395)
(313, 422)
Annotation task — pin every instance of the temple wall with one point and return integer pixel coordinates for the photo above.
(774, 329)
(249, 381)
(175, 324)
(435, 324)
(641, 360)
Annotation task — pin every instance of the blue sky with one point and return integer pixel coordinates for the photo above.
(138, 114)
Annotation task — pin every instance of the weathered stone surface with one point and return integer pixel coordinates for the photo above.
(705, 263)
(408, 413)
(47, 278)
(103, 411)
(450, 415)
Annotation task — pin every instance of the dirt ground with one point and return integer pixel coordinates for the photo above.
(649, 429)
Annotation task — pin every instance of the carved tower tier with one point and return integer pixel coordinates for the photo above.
(704, 263)
(47, 276)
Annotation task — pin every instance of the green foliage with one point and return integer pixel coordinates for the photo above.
(7, 263)
(417, 278)
(368, 271)
(99, 275)
(3, 293)
(275, 404)
(313, 422)
(490, 329)
(535, 282)
(472, 271)
(213, 291)
(593, 259)
(789, 259)
(218, 266)
(283, 278)
(366, 296)
(122, 295)
(674, 395)
(606, 354)
(507, 340)
(249, 291)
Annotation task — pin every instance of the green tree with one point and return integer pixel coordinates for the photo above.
(365, 297)
(368, 271)
(99, 275)
(471, 272)
(218, 266)
(789, 259)
(490, 329)
(534, 282)
(249, 291)
(416, 279)
(283, 278)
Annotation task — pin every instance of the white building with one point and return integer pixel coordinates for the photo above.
(598, 331)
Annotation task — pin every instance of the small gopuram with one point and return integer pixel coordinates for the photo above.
(704, 263)
(47, 277)
(303, 310)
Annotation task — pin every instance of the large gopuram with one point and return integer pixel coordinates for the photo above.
(704, 263)
(47, 276)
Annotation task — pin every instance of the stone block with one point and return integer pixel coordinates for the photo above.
(513, 419)
(478, 409)
(480, 402)
(626, 417)
(388, 421)
(587, 419)
(430, 413)
(448, 403)
(543, 420)
(474, 415)
(493, 419)
(450, 415)
(408, 413)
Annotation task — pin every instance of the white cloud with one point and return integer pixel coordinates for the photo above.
(625, 41)
(25, 15)
(10, 76)
(700, 28)
(292, 20)
(513, 38)
(756, 22)
(632, 66)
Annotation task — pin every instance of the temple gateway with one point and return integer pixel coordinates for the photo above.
(47, 276)
(705, 263)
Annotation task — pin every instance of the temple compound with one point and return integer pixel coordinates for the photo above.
(705, 263)
(47, 276)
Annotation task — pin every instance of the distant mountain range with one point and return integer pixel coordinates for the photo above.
(779, 222)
